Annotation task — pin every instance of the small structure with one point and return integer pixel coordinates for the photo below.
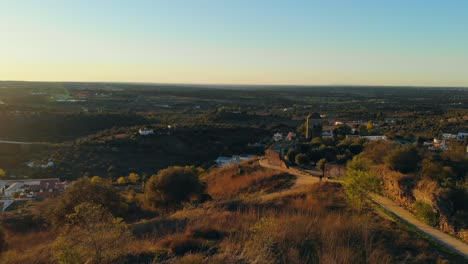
(31, 188)
(31, 164)
(235, 159)
(374, 138)
(291, 136)
(277, 137)
(146, 132)
(448, 136)
(462, 135)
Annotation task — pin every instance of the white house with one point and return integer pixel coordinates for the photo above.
(146, 132)
(448, 136)
(277, 137)
(373, 138)
(235, 159)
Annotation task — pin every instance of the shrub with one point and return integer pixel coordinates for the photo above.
(404, 159)
(92, 235)
(301, 159)
(174, 185)
(84, 190)
(426, 213)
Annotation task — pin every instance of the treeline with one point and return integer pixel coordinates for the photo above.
(56, 127)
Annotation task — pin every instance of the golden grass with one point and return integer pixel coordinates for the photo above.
(230, 181)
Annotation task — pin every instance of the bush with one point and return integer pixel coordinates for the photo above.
(426, 213)
(85, 190)
(92, 235)
(301, 159)
(404, 159)
(174, 185)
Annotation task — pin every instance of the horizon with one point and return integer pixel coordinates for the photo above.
(396, 44)
(253, 85)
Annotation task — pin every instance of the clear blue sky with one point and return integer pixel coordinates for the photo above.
(394, 42)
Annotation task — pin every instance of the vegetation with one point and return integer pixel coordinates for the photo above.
(302, 159)
(174, 185)
(91, 235)
(192, 212)
(403, 159)
(360, 181)
(100, 192)
(426, 213)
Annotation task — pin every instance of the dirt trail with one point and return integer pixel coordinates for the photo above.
(303, 179)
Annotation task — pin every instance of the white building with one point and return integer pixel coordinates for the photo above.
(462, 136)
(373, 138)
(277, 137)
(235, 159)
(146, 132)
(448, 136)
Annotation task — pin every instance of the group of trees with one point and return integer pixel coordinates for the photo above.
(93, 190)
(132, 178)
(325, 148)
(87, 213)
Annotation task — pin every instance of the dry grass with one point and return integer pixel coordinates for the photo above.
(33, 247)
(230, 181)
(308, 224)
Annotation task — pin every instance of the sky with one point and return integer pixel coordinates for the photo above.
(310, 42)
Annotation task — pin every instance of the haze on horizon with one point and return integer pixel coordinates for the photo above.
(236, 42)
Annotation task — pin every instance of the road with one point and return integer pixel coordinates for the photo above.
(304, 179)
(443, 238)
(16, 142)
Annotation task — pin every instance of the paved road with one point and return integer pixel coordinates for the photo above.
(443, 238)
(16, 142)
(408, 217)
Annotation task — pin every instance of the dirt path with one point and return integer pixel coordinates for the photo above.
(304, 179)
(408, 217)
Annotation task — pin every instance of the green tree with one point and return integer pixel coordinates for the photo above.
(316, 141)
(315, 155)
(2, 173)
(302, 159)
(358, 184)
(133, 177)
(426, 213)
(174, 185)
(82, 190)
(403, 159)
(121, 181)
(291, 155)
(355, 148)
(321, 166)
(96, 180)
(91, 235)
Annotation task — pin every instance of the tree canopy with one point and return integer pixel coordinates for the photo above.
(174, 185)
(91, 235)
(85, 190)
(403, 159)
